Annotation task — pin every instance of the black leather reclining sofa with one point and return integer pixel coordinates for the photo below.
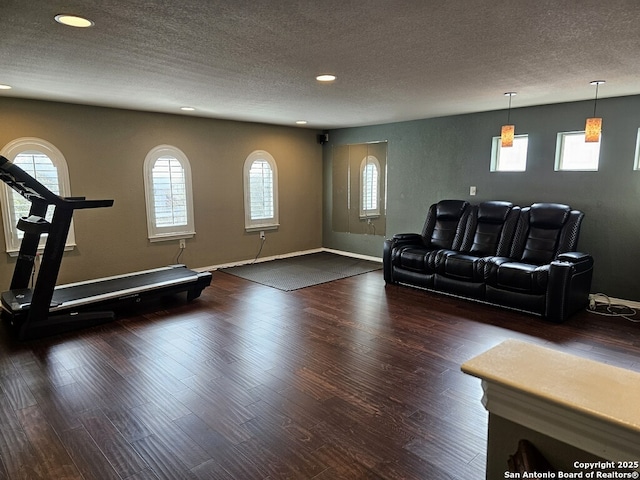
(499, 253)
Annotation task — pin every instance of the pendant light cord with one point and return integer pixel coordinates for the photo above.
(597, 83)
(510, 95)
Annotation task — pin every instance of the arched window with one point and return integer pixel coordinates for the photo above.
(260, 191)
(44, 162)
(169, 198)
(369, 187)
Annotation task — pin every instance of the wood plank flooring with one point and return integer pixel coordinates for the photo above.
(346, 380)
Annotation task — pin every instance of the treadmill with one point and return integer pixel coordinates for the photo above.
(47, 309)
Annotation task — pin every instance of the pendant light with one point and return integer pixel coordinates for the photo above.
(508, 131)
(593, 127)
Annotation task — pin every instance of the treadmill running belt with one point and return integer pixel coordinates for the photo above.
(146, 280)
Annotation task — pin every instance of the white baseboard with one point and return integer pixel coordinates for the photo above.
(285, 255)
(353, 255)
(599, 297)
(628, 303)
(631, 304)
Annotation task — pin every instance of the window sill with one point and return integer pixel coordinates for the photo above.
(14, 253)
(266, 226)
(171, 236)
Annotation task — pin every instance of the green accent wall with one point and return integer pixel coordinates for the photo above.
(440, 158)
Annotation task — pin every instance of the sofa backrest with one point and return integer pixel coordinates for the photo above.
(445, 224)
(490, 228)
(544, 231)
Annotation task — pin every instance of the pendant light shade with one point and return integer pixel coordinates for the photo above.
(506, 135)
(508, 131)
(592, 129)
(593, 126)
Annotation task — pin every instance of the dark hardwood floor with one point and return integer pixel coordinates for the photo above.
(346, 380)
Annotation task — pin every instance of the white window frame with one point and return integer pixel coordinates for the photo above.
(561, 152)
(271, 223)
(520, 147)
(636, 163)
(11, 151)
(364, 211)
(173, 232)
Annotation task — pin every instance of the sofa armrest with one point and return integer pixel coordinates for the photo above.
(408, 238)
(391, 244)
(569, 285)
(581, 261)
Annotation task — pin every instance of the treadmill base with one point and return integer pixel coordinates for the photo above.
(91, 303)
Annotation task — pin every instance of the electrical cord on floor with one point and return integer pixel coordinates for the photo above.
(262, 242)
(608, 309)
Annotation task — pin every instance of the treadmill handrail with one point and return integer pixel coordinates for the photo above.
(76, 203)
(63, 208)
(32, 189)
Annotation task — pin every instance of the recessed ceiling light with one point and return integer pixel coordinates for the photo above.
(5, 87)
(74, 21)
(327, 77)
(301, 122)
(187, 109)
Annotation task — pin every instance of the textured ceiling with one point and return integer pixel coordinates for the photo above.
(256, 60)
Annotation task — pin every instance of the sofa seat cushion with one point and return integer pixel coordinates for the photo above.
(461, 266)
(411, 258)
(415, 258)
(520, 277)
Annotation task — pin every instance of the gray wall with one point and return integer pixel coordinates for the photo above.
(433, 159)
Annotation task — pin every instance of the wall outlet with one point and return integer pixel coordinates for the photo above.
(261, 234)
(183, 243)
(472, 190)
